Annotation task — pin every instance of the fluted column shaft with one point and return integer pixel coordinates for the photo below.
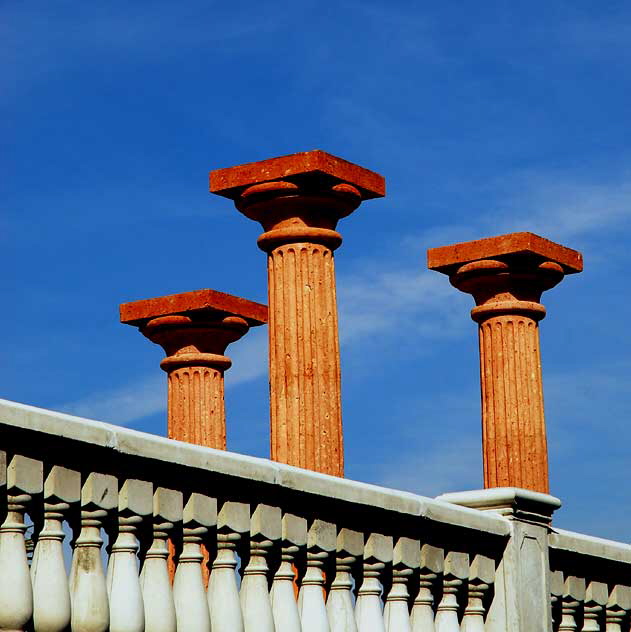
(195, 365)
(195, 398)
(514, 442)
(512, 402)
(304, 360)
(298, 200)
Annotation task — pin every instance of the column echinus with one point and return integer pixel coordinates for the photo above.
(299, 199)
(506, 276)
(194, 329)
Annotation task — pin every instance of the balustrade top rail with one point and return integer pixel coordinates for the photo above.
(107, 448)
(313, 552)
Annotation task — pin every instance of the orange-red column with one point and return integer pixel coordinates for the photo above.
(506, 276)
(299, 199)
(194, 330)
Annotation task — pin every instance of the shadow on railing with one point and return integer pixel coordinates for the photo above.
(313, 552)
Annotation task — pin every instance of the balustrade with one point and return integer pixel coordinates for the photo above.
(431, 566)
(265, 532)
(51, 593)
(405, 562)
(455, 572)
(233, 521)
(284, 606)
(155, 582)
(316, 553)
(339, 605)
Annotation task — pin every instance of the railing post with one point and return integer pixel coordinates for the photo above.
(522, 599)
(299, 199)
(507, 275)
(194, 329)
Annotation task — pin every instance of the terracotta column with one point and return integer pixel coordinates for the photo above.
(194, 329)
(506, 276)
(298, 200)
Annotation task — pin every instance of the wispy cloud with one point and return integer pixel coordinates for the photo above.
(40, 42)
(146, 395)
(433, 469)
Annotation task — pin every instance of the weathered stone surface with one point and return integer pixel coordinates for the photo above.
(201, 510)
(432, 559)
(63, 484)
(139, 312)
(482, 569)
(378, 547)
(407, 552)
(315, 164)
(506, 275)
(168, 504)
(100, 491)
(136, 497)
(456, 564)
(350, 542)
(448, 258)
(294, 529)
(98, 438)
(266, 522)
(590, 546)
(25, 475)
(234, 517)
(299, 200)
(321, 535)
(574, 587)
(194, 329)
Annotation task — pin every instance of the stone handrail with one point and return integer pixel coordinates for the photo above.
(313, 552)
(590, 582)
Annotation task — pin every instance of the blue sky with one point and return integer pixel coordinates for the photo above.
(484, 118)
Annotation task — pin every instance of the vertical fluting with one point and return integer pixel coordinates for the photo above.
(196, 412)
(513, 424)
(306, 424)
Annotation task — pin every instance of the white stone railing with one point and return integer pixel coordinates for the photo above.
(590, 583)
(261, 546)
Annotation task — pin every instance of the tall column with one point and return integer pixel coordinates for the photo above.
(506, 276)
(194, 329)
(298, 200)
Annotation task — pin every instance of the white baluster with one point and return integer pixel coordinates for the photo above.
(191, 604)
(127, 611)
(455, 571)
(51, 592)
(339, 605)
(595, 601)
(556, 595)
(368, 609)
(265, 529)
(321, 539)
(573, 596)
(88, 590)
(618, 604)
(405, 561)
(284, 605)
(223, 592)
(481, 576)
(23, 479)
(431, 565)
(155, 583)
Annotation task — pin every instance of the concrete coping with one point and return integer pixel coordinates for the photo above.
(581, 544)
(144, 445)
(512, 502)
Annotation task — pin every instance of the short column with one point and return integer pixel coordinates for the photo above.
(506, 276)
(194, 329)
(299, 200)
